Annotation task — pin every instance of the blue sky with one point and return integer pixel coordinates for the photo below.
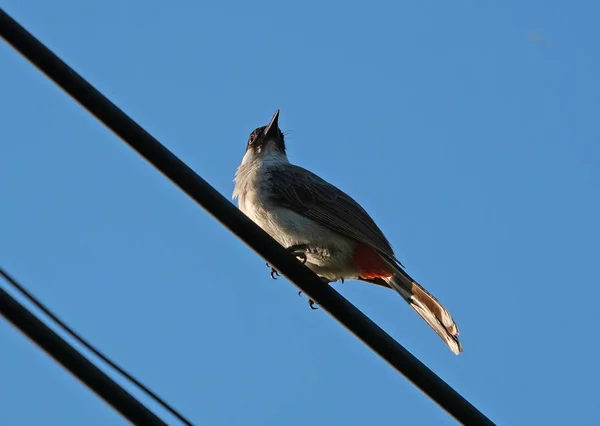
(467, 129)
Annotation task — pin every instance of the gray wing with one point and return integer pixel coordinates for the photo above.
(306, 193)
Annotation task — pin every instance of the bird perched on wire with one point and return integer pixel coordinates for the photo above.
(324, 227)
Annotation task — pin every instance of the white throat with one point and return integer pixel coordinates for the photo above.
(251, 169)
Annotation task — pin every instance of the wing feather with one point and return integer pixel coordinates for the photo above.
(305, 193)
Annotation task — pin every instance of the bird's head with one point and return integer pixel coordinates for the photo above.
(266, 140)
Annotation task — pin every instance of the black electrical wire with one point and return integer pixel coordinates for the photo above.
(90, 347)
(106, 388)
(224, 211)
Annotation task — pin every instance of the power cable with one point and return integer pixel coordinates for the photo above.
(224, 211)
(106, 388)
(90, 347)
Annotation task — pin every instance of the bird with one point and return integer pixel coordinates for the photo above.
(324, 227)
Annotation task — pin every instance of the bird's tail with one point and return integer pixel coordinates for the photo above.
(428, 308)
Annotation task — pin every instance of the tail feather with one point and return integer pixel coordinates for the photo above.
(428, 308)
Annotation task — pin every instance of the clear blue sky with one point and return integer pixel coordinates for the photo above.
(469, 130)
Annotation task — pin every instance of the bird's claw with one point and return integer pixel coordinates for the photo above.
(312, 303)
(299, 250)
(300, 256)
(274, 273)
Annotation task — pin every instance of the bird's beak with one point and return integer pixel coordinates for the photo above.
(271, 131)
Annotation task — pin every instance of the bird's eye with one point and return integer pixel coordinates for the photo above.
(251, 138)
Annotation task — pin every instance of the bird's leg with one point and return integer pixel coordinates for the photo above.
(297, 250)
(301, 256)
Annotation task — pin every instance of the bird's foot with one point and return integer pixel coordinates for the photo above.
(296, 250)
(300, 255)
(274, 273)
(312, 303)
(299, 250)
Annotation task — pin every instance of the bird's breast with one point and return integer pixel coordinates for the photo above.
(329, 253)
